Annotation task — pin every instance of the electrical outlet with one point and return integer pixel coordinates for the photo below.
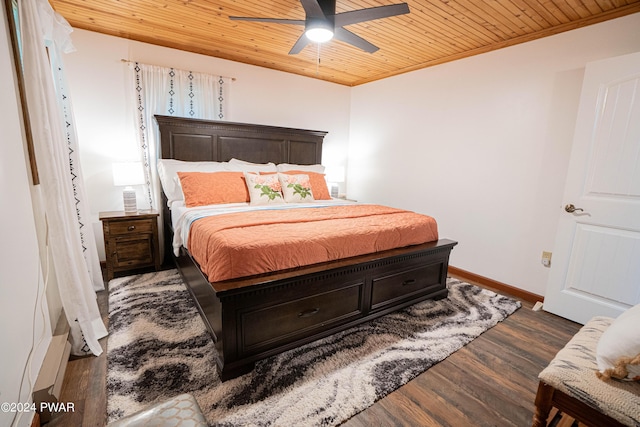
(546, 259)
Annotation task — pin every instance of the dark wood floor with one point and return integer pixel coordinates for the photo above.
(490, 382)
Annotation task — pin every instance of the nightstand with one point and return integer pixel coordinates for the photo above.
(130, 240)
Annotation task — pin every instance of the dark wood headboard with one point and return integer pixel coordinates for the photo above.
(211, 140)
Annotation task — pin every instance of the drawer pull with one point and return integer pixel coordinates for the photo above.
(308, 313)
(409, 282)
(131, 227)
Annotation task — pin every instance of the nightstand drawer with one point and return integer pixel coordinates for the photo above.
(131, 227)
(132, 252)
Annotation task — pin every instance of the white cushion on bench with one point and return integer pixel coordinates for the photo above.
(619, 345)
(573, 371)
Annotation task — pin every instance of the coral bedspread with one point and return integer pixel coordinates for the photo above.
(237, 245)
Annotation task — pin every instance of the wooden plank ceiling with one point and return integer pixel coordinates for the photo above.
(434, 32)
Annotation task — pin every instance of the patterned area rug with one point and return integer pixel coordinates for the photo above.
(158, 348)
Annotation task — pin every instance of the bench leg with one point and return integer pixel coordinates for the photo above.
(543, 405)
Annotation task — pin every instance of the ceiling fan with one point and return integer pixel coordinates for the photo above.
(322, 23)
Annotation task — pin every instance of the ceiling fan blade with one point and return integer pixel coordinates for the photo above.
(312, 8)
(354, 40)
(300, 44)
(270, 20)
(371, 13)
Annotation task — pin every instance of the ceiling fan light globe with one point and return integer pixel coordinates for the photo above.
(319, 35)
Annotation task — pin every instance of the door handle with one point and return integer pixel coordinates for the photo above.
(570, 208)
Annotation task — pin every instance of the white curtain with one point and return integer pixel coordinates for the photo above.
(55, 147)
(171, 92)
(87, 238)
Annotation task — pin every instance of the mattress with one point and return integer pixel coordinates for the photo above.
(237, 241)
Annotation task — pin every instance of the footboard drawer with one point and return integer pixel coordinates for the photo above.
(393, 288)
(262, 316)
(282, 322)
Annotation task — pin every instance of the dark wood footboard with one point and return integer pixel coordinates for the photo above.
(254, 318)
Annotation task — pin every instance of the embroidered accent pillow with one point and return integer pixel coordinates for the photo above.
(264, 189)
(318, 183)
(210, 188)
(296, 188)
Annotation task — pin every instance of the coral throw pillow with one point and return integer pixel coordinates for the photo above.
(210, 188)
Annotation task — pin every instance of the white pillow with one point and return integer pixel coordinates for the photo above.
(242, 166)
(264, 189)
(283, 167)
(618, 345)
(168, 173)
(296, 188)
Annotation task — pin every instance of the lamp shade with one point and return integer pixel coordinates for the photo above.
(334, 176)
(335, 173)
(127, 173)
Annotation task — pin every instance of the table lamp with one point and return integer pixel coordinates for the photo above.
(128, 174)
(335, 176)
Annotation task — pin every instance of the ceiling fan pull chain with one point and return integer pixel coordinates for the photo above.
(318, 61)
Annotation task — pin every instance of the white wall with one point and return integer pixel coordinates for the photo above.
(24, 318)
(482, 144)
(98, 81)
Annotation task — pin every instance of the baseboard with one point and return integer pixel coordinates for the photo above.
(48, 386)
(499, 286)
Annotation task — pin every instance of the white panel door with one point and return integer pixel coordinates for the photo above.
(596, 268)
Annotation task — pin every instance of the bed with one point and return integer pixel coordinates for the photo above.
(298, 304)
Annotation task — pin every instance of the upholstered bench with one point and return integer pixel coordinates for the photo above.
(180, 411)
(570, 384)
